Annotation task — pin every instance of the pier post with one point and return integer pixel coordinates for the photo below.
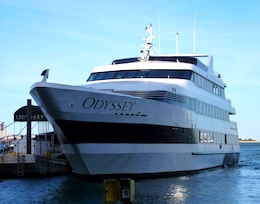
(29, 113)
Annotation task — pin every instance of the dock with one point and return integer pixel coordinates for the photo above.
(44, 161)
(12, 165)
(31, 155)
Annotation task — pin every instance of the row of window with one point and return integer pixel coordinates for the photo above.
(209, 110)
(208, 85)
(198, 80)
(217, 138)
(200, 107)
(146, 73)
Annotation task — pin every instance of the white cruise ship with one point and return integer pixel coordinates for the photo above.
(143, 116)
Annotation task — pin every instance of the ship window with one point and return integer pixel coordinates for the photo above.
(92, 77)
(130, 74)
(209, 86)
(215, 89)
(187, 75)
(109, 75)
(195, 78)
(205, 137)
(165, 74)
(192, 77)
(193, 104)
(201, 136)
(204, 108)
(188, 101)
(142, 74)
(100, 76)
(222, 92)
(119, 75)
(181, 74)
(153, 74)
(211, 137)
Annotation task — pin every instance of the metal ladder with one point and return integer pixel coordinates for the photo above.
(20, 167)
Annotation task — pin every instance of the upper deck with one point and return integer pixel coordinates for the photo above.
(180, 66)
(172, 66)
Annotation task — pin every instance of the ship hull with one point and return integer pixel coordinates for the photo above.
(107, 133)
(140, 160)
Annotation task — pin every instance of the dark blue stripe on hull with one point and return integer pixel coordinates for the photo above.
(87, 132)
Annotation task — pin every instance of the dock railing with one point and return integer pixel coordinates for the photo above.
(6, 144)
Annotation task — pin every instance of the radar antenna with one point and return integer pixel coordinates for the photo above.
(146, 52)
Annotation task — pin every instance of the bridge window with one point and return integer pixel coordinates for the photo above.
(176, 74)
(153, 74)
(131, 74)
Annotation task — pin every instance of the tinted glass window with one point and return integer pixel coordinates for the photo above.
(100, 76)
(119, 75)
(166, 74)
(177, 74)
(141, 74)
(131, 74)
(92, 77)
(181, 74)
(187, 75)
(109, 75)
(153, 74)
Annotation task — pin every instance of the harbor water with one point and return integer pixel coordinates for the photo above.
(239, 184)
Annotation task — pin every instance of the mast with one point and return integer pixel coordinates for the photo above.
(194, 33)
(177, 43)
(145, 53)
(159, 33)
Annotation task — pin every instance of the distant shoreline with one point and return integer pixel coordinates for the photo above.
(249, 141)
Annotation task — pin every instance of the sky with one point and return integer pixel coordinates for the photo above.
(72, 37)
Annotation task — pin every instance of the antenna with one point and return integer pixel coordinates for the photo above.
(194, 34)
(145, 54)
(177, 43)
(159, 33)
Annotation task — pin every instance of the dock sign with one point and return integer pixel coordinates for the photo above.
(36, 114)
